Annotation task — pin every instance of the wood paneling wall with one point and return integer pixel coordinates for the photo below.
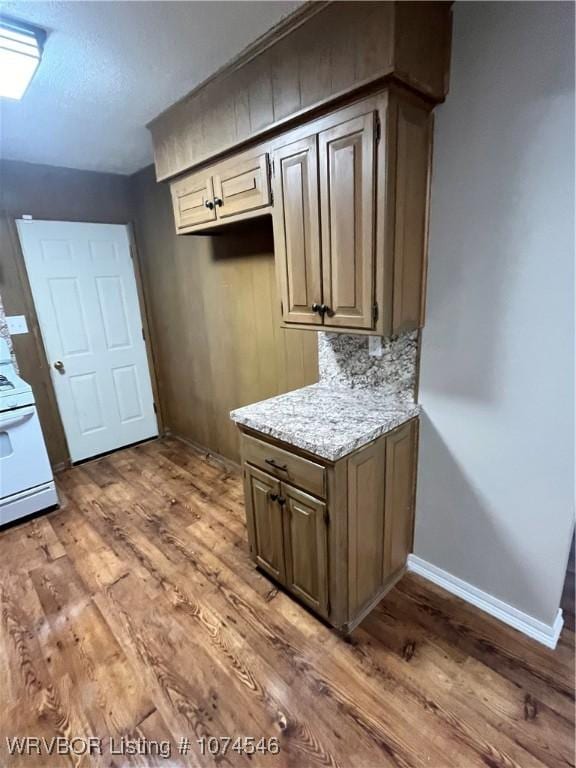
(315, 56)
(61, 194)
(215, 320)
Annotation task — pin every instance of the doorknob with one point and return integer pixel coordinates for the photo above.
(59, 365)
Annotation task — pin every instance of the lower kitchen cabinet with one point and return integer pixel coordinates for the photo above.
(336, 535)
(265, 522)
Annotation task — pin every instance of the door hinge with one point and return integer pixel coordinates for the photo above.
(282, 308)
(155, 407)
(375, 311)
(143, 334)
(378, 128)
(327, 517)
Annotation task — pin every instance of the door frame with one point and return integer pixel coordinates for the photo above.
(35, 330)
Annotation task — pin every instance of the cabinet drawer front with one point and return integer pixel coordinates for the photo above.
(242, 186)
(189, 198)
(285, 465)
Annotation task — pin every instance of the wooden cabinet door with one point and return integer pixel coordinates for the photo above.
(189, 198)
(306, 547)
(347, 209)
(264, 520)
(296, 220)
(241, 186)
(400, 486)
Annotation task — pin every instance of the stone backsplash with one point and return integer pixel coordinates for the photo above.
(344, 361)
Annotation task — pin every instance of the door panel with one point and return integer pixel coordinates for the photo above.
(413, 150)
(306, 544)
(190, 197)
(242, 186)
(366, 521)
(400, 486)
(297, 230)
(265, 521)
(84, 288)
(347, 177)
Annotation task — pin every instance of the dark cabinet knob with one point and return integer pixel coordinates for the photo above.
(281, 500)
(209, 204)
(218, 201)
(273, 496)
(322, 309)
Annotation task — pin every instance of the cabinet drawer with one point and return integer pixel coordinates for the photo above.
(190, 197)
(242, 186)
(285, 465)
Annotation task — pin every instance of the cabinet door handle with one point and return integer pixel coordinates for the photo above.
(316, 308)
(325, 310)
(272, 463)
(272, 496)
(218, 201)
(281, 500)
(209, 204)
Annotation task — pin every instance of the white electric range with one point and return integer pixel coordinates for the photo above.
(26, 480)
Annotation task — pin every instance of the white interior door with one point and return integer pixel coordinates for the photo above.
(84, 289)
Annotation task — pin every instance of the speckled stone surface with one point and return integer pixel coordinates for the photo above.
(357, 399)
(343, 361)
(329, 422)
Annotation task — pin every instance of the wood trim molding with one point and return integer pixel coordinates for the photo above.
(272, 36)
(315, 59)
(34, 329)
(149, 341)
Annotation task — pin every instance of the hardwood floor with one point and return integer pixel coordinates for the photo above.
(135, 610)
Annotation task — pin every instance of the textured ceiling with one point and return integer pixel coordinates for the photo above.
(110, 67)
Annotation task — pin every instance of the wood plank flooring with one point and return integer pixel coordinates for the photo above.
(136, 611)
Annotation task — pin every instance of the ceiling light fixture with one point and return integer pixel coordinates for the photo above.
(20, 53)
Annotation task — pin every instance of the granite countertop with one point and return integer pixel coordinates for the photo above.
(327, 421)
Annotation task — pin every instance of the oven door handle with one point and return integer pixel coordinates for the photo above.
(15, 420)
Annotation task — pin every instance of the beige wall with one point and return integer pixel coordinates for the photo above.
(48, 193)
(215, 320)
(496, 476)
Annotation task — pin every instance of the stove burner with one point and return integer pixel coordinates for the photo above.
(5, 383)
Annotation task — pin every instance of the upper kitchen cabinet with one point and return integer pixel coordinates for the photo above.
(350, 217)
(332, 112)
(228, 191)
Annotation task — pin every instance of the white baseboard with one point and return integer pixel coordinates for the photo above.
(547, 634)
